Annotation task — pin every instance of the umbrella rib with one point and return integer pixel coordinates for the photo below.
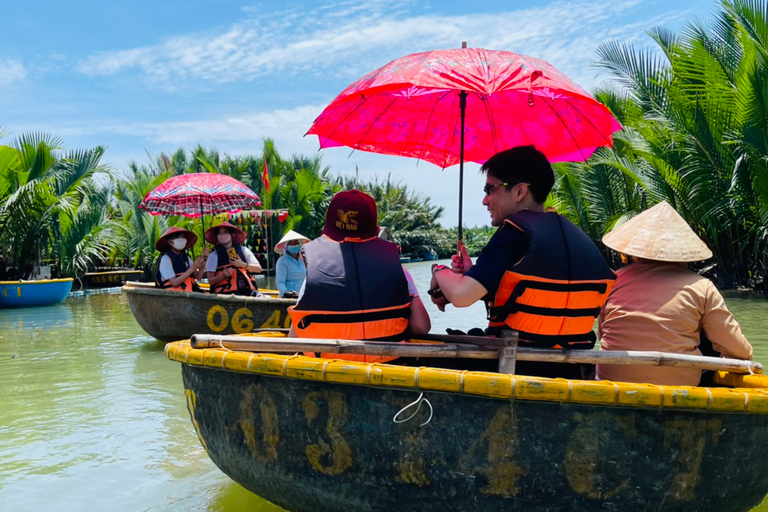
(357, 106)
(574, 107)
(450, 139)
(426, 129)
(491, 121)
(564, 126)
(381, 113)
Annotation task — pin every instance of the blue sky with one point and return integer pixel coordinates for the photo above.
(143, 77)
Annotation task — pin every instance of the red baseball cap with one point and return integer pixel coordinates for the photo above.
(351, 214)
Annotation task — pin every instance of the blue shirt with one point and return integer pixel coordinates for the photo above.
(289, 274)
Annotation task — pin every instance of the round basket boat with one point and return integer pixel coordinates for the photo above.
(24, 294)
(312, 434)
(172, 315)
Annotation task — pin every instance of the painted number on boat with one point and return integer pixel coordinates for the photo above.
(260, 430)
(500, 442)
(242, 320)
(330, 454)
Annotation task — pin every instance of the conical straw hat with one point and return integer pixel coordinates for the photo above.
(659, 234)
(290, 235)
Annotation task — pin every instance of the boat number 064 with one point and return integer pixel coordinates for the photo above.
(242, 320)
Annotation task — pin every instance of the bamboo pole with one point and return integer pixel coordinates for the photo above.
(271, 344)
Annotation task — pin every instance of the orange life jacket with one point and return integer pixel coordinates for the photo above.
(240, 280)
(180, 264)
(354, 289)
(553, 295)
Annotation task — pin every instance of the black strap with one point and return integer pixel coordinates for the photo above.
(577, 341)
(564, 312)
(578, 286)
(339, 318)
(511, 306)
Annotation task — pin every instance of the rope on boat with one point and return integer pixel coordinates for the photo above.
(418, 402)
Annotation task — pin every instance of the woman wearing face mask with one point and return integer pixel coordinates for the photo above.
(230, 265)
(175, 269)
(289, 270)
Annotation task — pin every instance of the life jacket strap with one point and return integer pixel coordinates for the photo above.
(584, 341)
(339, 318)
(511, 306)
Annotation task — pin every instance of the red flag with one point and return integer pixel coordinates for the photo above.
(265, 176)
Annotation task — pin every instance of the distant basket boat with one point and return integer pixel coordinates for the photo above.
(111, 278)
(24, 294)
(322, 435)
(171, 315)
(429, 256)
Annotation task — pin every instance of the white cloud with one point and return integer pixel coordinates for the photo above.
(12, 71)
(350, 39)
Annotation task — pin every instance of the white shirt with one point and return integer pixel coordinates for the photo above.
(166, 267)
(213, 259)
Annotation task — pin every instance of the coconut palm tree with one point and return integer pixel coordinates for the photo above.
(52, 207)
(696, 118)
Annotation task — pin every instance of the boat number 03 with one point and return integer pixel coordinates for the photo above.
(327, 452)
(242, 320)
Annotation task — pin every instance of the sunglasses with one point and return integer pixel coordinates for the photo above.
(489, 187)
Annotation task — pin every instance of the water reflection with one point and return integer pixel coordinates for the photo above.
(91, 410)
(46, 317)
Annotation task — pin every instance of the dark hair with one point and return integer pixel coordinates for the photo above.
(522, 164)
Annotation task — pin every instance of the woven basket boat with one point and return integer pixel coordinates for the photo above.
(171, 315)
(312, 434)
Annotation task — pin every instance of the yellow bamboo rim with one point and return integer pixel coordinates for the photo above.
(750, 397)
(37, 281)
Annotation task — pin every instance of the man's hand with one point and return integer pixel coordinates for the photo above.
(461, 264)
(439, 300)
(228, 271)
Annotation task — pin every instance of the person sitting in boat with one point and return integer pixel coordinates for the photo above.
(289, 270)
(356, 287)
(231, 264)
(175, 269)
(540, 274)
(659, 305)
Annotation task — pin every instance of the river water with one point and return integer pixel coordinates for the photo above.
(93, 416)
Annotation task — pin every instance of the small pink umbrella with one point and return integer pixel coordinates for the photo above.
(196, 194)
(448, 106)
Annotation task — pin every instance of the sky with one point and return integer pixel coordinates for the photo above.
(145, 77)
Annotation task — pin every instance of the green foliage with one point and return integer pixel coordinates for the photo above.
(695, 118)
(53, 209)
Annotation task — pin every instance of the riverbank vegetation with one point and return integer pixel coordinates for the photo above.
(693, 104)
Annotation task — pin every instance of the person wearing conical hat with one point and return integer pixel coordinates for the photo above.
(657, 304)
(175, 269)
(289, 269)
(231, 264)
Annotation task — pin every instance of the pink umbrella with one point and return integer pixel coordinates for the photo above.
(196, 194)
(447, 106)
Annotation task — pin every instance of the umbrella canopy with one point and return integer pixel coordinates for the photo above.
(196, 194)
(448, 106)
(412, 107)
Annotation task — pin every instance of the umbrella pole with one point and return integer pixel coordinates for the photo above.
(202, 217)
(462, 108)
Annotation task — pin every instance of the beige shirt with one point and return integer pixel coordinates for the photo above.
(664, 307)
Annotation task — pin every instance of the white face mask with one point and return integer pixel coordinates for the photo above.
(179, 243)
(224, 238)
